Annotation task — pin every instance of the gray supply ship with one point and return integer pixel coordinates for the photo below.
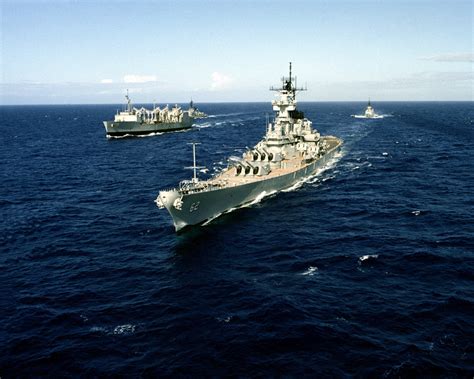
(134, 121)
(290, 151)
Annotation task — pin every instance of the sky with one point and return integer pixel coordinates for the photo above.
(88, 52)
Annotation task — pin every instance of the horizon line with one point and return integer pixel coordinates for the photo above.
(247, 102)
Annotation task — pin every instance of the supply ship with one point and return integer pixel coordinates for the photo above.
(133, 121)
(290, 151)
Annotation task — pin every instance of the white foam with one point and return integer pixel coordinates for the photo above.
(310, 271)
(328, 178)
(209, 220)
(150, 134)
(225, 114)
(124, 329)
(258, 199)
(182, 130)
(365, 257)
(134, 135)
(203, 126)
(99, 329)
(313, 178)
(296, 185)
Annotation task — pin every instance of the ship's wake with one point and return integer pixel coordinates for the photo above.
(225, 114)
(224, 122)
(204, 125)
(135, 135)
(152, 134)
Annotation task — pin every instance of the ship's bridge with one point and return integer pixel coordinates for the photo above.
(285, 104)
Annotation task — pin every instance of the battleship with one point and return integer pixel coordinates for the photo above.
(290, 151)
(369, 113)
(140, 121)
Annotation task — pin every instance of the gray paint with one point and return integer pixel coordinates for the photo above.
(290, 151)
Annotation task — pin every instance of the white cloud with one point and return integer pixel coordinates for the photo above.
(220, 81)
(131, 78)
(106, 81)
(453, 57)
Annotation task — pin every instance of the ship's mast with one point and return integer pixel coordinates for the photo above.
(194, 167)
(129, 103)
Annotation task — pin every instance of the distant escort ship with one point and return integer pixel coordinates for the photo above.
(290, 151)
(369, 113)
(134, 121)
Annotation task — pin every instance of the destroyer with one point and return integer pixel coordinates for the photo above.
(194, 112)
(134, 121)
(290, 151)
(369, 113)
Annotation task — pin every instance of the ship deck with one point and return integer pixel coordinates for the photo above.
(228, 177)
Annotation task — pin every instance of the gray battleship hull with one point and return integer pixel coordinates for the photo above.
(199, 207)
(116, 129)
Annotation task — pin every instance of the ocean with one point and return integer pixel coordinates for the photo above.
(365, 270)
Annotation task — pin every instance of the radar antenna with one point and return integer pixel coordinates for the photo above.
(287, 84)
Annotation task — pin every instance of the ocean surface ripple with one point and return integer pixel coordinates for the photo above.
(366, 269)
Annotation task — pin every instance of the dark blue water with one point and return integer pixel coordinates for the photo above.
(365, 270)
